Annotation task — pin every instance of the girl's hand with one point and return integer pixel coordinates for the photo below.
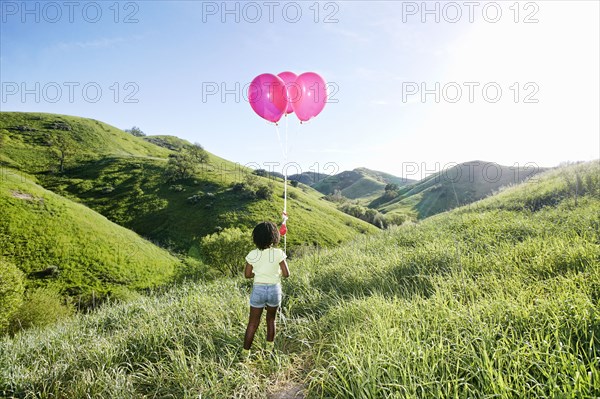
(248, 271)
(285, 272)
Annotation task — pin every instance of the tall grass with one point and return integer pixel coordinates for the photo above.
(182, 343)
(494, 300)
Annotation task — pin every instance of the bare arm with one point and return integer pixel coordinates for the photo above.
(285, 272)
(248, 271)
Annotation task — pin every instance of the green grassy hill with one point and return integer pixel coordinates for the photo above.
(308, 178)
(124, 178)
(499, 298)
(78, 196)
(360, 183)
(459, 185)
(27, 139)
(41, 231)
(169, 142)
(134, 193)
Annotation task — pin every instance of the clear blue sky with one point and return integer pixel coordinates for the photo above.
(377, 57)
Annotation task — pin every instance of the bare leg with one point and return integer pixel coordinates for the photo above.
(271, 314)
(253, 322)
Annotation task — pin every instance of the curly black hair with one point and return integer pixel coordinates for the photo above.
(265, 234)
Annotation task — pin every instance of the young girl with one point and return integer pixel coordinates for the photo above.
(266, 265)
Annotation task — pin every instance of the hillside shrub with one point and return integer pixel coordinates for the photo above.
(181, 166)
(335, 197)
(198, 153)
(226, 250)
(136, 131)
(372, 216)
(41, 307)
(25, 128)
(251, 189)
(107, 189)
(396, 219)
(60, 125)
(264, 191)
(194, 199)
(192, 269)
(261, 172)
(11, 292)
(177, 188)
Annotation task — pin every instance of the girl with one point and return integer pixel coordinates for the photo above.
(266, 265)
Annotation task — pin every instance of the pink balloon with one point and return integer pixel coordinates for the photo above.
(268, 97)
(289, 78)
(308, 95)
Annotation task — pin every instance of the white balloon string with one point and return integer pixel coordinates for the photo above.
(285, 185)
(279, 139)
(284, 154)
(287, 148)
(294, 139)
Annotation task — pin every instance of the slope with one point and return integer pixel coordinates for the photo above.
(135, 193)
(360, 183)
(308, 178)
(448, 189)
(30, 141)
(65, 245)
(126, 179)
(495, 299)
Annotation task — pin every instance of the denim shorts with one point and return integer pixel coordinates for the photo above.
(265, 294)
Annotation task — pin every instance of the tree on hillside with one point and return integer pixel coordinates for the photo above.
(62, 148)
(264, 191)
(136, 131)
(336, 196)
(391, 191)
(181, 166)
(226, 250)
(261, 172)
(391, 187)
(198, 153)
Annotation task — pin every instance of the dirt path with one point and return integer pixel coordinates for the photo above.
(289, 392)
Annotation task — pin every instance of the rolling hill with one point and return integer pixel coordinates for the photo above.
(459, 185)
(69, 247)
(360, 183)
(499, 298)
(28, 137)
(125, 179)
(308, 178)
